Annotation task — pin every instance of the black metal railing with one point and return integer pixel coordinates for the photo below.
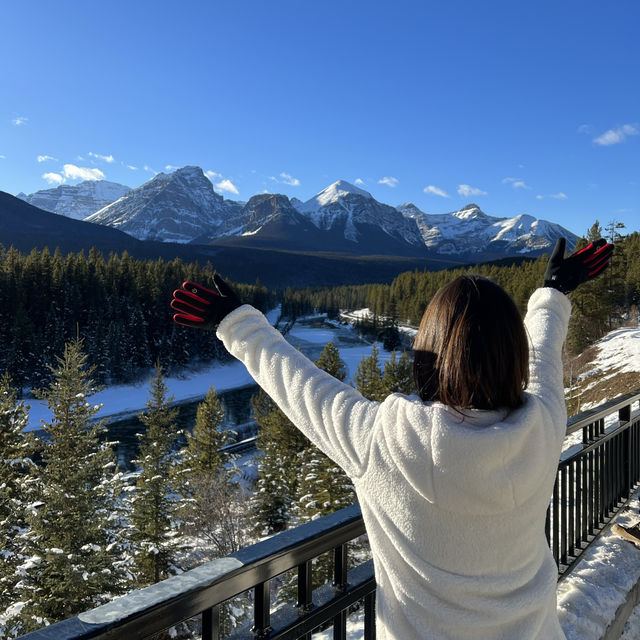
(596, 477)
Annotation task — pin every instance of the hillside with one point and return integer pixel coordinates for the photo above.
(607, 369)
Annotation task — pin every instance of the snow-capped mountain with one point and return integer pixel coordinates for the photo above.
(173, 207)
(470, 231)
(77, 201)
(355, 213)
(341, 218)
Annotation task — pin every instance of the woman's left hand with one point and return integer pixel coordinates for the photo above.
(202, 308)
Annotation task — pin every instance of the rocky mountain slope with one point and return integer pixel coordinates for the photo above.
(471, 231)
(77, 201)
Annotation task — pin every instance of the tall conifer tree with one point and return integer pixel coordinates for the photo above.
(76, 554)
(152, 508)
(368, 377)
(17, 491)
(279, 443)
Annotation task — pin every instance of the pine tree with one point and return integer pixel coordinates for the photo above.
(398, 374)
(368, 377)
(76, 554)
(17, 491)
(206, 481)
(152, 504)
(323, 487)
(278, 445)
(213, 504)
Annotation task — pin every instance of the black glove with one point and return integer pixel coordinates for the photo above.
(565, 274)
(203, 308)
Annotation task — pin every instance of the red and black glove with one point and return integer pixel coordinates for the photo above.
(565, 274)
(203, 308)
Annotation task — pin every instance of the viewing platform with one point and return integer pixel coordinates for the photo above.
(598, 473)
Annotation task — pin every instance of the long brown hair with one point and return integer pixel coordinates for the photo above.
(471, 349)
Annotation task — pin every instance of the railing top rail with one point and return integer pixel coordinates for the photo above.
(585, 418)
(213, 582)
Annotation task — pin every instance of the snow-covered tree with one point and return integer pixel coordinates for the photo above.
(205, 479)
(152, 503)
(16, 493)
(323, 487)
(76, 556)
(279, 443)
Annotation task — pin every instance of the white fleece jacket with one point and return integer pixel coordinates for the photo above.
(454, 505)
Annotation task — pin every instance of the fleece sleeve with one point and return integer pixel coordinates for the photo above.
(333, 415)
(547, 321)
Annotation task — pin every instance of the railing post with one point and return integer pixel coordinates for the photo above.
(305, 590)
(370, 616)
(262, 610)
(624, 417)
(211, 623)
(340, 582)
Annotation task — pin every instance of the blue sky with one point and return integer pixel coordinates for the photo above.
(520, 107)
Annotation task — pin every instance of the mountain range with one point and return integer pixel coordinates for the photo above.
(182, 207)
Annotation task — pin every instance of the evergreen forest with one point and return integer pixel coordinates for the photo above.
(119, 306)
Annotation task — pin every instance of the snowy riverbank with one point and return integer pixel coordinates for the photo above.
(122, 401)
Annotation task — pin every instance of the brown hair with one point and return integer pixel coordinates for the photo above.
(471, 349)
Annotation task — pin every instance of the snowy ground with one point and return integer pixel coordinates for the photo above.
(618, 352)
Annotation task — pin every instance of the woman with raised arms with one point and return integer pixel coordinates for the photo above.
(453, 482)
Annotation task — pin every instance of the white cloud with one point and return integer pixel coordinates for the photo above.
(53, 178)
(586, 129)
(150, 170)
(516, 183)
(436, 191)
(227, 185)
(20, 120)
(82, 173)
(390, 181)
(130, 166)
(213, 175)
(617, 135)
(290, 180)
(3, 157)
(99, 156)
(555, 196)
(45, 158)
(466, 190)
(358, 181)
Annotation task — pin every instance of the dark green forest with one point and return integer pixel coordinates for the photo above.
(118, 305)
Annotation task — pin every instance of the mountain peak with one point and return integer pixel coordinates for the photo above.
(470, 212)
(334, 193)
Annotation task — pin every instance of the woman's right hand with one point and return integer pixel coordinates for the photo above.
(202, 308)
(565, 274)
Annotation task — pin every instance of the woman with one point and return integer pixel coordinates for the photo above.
(454, 484)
